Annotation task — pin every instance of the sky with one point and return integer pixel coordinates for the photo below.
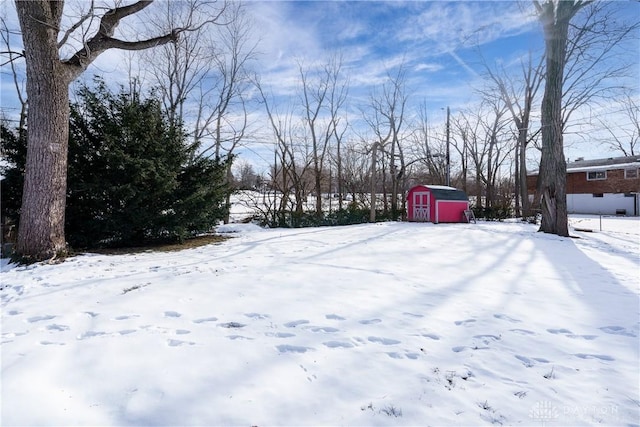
(387, 324)
(443, 46)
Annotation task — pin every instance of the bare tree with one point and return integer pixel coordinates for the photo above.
(625, 138)
(428, 149)
(323, 95)
(245, 177)
(355, 171)
(385, 117)
(555, 17)
(497, 140)
(12, 56)
(41, 229)
(518, 95)
(597, 61)
(340, 128)
(465, 140)
(292, 161)
(483, 136)
(205, 76)
(585, 62)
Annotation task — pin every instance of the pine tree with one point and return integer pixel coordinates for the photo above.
(14, 153)
(130, 180)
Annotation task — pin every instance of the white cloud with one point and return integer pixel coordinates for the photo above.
(452, 25)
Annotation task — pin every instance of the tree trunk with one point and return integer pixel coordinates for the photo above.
(41, 231)
(340, 187)
(42, 216)
(372, 209)
(553, 168)
(516, 192)
(317, 170)
(522, 161)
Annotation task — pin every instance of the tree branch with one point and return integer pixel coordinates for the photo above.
(103, 39)
(77, 25)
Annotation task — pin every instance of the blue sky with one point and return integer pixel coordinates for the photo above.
(441, 43)
(437, 41)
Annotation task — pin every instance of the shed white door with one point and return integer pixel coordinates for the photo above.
(421, 206)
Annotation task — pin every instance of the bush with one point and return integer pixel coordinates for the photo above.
(14, 150)
(349, 216)
(494, 213)
(132, 179)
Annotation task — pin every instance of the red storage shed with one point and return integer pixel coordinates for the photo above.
(436, 203)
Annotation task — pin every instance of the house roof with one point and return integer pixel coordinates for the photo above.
(603, 164)
(611, 163)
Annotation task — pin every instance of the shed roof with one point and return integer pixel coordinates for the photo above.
(443, 192)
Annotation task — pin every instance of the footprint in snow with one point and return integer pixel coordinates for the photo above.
(370, 321)
(617, 330)
(178, 343)
(232, 325)
(334, 317)
(461, 348)
(412, 314)
(522, 331)
(13, 334)
(206, 319)
(285, 348)
(311, 377)
(125, 317)
(561, 331)
(464, 322)
(325, 329)
(54, 327)
(394, 355)
(529, 362)
(507, 318)
(570, 334)
(296, 323)
(486, 339)
(280, 334)
(172, 314)
(595, 356)
(257, 316)
(51, 343)
(383, 341)
(338, 344)
(431, 336)
(239, 337)
(35, 319)
(90, 334)
(14, 312)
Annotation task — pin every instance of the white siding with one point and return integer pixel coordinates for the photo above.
(606, 205)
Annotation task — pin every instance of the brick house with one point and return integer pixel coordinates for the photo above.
(603, 186)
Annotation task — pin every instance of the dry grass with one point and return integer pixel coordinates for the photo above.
(187, 244)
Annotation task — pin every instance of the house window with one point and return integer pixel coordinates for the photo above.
(598, 195)
(631, 173)
(596, 175)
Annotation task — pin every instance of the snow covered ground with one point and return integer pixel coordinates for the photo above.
(375, 324)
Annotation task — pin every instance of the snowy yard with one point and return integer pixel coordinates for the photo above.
(375, 324)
